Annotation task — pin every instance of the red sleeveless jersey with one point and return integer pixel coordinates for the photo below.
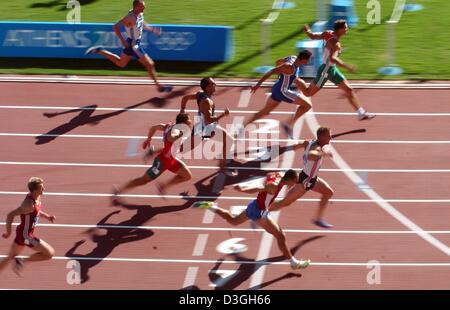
(166, 152)
(28, 221)
(264, 199)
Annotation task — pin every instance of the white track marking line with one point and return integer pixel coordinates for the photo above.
(12, 134)
(87, 195)
(186, 82)
(204, 261)
(200, 245)
(267, 239)
(358, 181)
(24, 163)
(191, 276)
(226, 229)
(166, 110)
(208, 217)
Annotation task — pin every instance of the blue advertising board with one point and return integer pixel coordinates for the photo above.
(64, 40)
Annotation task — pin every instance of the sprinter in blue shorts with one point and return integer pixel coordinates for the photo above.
(288, 70)
(134, 25)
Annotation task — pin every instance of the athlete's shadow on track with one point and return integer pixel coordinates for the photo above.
(114, 237)
(84, 118)
(162, 101)
(250, 266)
(61, 4)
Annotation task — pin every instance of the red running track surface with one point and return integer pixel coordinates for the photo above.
(156, 243)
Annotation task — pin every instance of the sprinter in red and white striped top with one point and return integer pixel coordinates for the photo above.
(257, 210)
(29, 212)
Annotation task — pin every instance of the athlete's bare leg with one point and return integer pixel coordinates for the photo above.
(354, 101)
(350, 94)
(311, 90)
(274, 229)
(327, 192)
(229, 217)
(44, 252)
(133, 183)
(295, 193)
(182, 175)
(121, 61)
(269, 107)
(227, 145)
(303, 106)
(149, 65)
(14, 251)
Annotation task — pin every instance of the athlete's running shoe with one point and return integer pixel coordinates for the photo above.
(203, 204)
(323, 224)
(165, 89)
(18, 266)
(288, 130)
(367, 116)
(300, 264)
(93, 50)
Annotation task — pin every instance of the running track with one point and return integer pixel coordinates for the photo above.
(390, 205)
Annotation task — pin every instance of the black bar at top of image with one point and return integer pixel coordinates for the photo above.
(224, 299)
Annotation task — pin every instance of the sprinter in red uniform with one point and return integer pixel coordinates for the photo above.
(29, 212)
(165, 160)
(257, 211)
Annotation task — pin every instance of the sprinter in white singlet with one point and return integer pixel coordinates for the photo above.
(134, 25)
(313, 156)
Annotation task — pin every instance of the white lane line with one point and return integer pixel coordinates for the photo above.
(208, 217)
(167, 110)
(373, 195)
(200, 245)
(226, 229)
(191, 276)
(205, 261)
(229, 197)
(188, 82)
(26, 163)
(82, 136)
(267, 240)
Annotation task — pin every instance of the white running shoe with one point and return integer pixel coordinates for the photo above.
(366, 116)
(300, 264)
(93, 50)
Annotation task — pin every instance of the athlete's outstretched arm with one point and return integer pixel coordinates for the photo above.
(205, 109)
(185, 100)
(335, 59)
(250, 189)
(48, 217)
(295, 193)
(283, 68)
(155, 30)
(319, 152)
(126, 21)
(25, 208)
(258, 187)
(151, 132)
(175, 134)
(312, 35)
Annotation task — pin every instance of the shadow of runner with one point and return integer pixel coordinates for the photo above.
(250, 266)
(61, 4)
(114, 237)
(84, 118)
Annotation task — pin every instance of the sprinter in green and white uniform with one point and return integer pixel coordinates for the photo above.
(329, 70)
